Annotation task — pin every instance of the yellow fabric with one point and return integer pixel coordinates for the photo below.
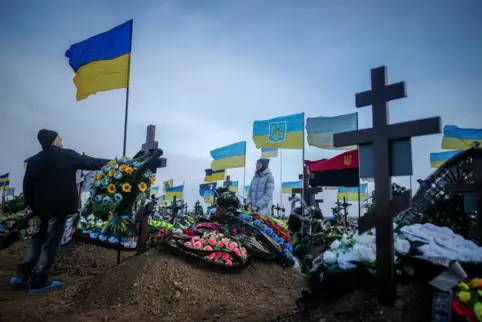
(351, 196)
(238, 161)
(293, 140)
(102, 75)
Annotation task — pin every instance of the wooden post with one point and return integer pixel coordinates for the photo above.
(309, 192)
(228, 182)
(382, 136)
(475, 167)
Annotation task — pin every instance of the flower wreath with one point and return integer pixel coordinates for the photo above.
(216, 248)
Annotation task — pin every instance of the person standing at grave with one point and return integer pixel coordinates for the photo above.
(260, 196)
(50, 190)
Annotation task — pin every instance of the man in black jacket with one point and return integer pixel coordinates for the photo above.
(50, 189)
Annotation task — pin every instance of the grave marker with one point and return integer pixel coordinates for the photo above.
(151, 142)
(386, 139)
(307, 193)
(228, 182)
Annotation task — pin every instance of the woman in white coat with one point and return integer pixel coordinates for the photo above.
(260, 196)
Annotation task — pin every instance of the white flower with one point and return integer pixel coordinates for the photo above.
(365, 239)
(367, 254)
(335, 244)
(329, 257)
(402, 246)
(345, 260)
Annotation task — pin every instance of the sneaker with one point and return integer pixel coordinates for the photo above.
(49, 287)
(17, 282)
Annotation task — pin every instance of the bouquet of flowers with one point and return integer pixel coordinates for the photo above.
(111, 185)
(468, 302)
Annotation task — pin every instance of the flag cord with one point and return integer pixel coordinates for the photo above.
(127, 96)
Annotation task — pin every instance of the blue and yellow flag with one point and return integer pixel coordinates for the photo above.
(246, 190)
(102, 62)
(155, 190)
(175, 192)
(456, 138)
(234, 186)
(206, 191)
(287, 187)
(320, 130)
(212, 176)
(229, 157)
(351, 194)
(439, 158)
(4, 182)
(167, 184)
(269, 153)
(285, 132)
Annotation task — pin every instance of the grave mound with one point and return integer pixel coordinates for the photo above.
(163, 285)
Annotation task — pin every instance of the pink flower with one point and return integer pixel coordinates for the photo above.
(218, 254)
(228, 263)
(187, 244)
(216, 261)
(202, 241)
(207, 247)
(193, 239)
(235, 244)
(226, 256)
(220, 244)
(243, 255)
(211, 256)
(231, 246)
(212, 241)
(243, 250)
(197, 245)
(225, 241)
(237, 251)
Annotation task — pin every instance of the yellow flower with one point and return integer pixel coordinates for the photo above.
(463, 286)
(129, 170)
(95, 179)
(111, 172)
(100, 176)
(113, 162)
(475, 282)
(124, 157)
(142, 186)
(123, 168)
(126, 187)
(111, 188)
(153, 179)
(463, 296)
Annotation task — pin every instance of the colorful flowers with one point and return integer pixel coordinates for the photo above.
(468, 301)
(126, 187)
(111, 188)
(153, 180)
(111, 172)
(142, 186)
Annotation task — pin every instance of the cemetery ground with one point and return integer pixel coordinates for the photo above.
(163, 287)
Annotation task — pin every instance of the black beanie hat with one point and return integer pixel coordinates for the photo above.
(264, 163)
(46, 137)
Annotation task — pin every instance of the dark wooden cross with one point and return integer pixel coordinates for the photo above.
(277, 208)
(174, 210)
(307, 193)
(151, 142)
(318, 201)
(381, 136)
(293, 195)
(475, 167)
(228, 182)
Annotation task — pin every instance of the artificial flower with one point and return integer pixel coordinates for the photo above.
(142, 186)
(464, 296)
(478, 310)
(463, 286)
(100, 176)
(111, 188)
(129, 170)
(111, 172)
(123, 168)
(153, 179)
(476, 283)
(329, 257)
(126, 187)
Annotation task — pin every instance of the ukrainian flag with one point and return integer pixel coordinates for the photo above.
(234, 186)
(212, 176)
(456, 138)
(351, 194)
(167, 184)
(246, 190)
(4, 182)
(285, 132)
(175, 192)
(439, 158)
(102, 62)
(269, 153)
(320, 130)
(229, 157)
(155, 190)
(287, 187)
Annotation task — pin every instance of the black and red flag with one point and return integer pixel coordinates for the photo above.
(339, 171)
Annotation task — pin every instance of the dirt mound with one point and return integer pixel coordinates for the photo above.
(168, 287)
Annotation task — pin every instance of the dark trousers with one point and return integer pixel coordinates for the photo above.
(41, 250)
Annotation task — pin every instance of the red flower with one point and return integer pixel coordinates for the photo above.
(159, 236)
(288, 239)
(188, 232)
(462, 309)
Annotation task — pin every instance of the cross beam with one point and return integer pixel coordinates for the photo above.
(381, 136)
(309, 193)
(228, 182)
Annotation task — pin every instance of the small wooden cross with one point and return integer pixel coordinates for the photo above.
(474, 167)
(318, 201)
(174, 209)
(381, 136)
(309, 193)
(228, 182)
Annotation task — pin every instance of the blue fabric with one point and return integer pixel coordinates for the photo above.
(17, 282)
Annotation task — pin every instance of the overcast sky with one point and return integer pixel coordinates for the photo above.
(203, 71)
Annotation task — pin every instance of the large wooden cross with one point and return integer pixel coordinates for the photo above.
(151, 142)
(474, 167)
(307, 193)
(382, 135)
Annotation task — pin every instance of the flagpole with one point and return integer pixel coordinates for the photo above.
(127, 94)
(303, 160)
(280, 177)
(358, 150)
